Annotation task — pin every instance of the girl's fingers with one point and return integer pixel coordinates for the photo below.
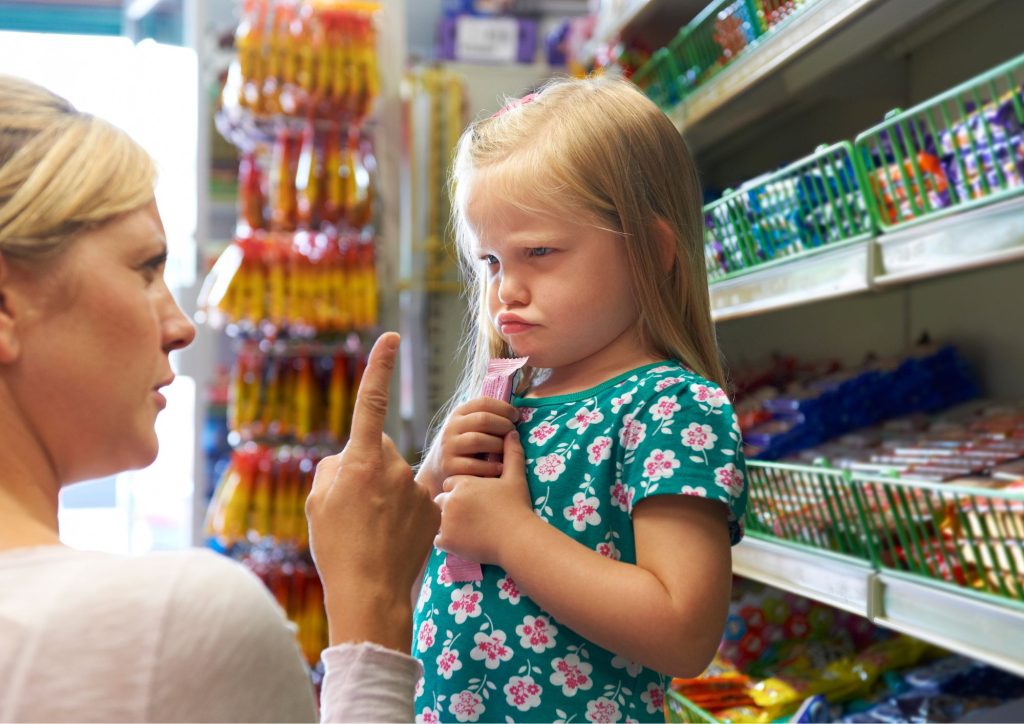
(475, 467)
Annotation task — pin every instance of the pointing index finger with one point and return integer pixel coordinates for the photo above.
(372, 397)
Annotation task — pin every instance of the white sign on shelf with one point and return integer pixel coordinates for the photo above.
(492, 40)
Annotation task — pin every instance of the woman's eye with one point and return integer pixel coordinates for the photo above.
(153, 268)
(540, 251)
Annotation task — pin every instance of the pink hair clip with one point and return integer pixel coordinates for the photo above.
(516, 103)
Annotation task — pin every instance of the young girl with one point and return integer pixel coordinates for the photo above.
(605, 530)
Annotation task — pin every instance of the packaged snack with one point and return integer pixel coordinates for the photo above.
(499, 383)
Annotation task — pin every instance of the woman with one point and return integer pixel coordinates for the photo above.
(86, 329)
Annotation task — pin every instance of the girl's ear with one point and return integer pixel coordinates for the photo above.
(667, 243)
(9, 346)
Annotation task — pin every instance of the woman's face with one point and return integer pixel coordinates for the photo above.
(94, 349)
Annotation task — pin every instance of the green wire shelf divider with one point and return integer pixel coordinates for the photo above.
(960, 149)
(680, 709)
(967, 538)
(720, 33)
(812, 204)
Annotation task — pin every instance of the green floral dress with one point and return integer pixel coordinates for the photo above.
(490, 653)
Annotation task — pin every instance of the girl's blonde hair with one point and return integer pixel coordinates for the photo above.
(599, 149)
(61, 171)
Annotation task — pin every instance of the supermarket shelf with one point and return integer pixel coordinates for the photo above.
(766, 79)
(829, 578)
(822, 275)
(639, 15)
(959, 622)
(957, 242)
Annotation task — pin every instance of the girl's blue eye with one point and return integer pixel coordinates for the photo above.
(490, 259)
(540, 251)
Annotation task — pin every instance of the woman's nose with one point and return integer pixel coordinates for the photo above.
(178, 330)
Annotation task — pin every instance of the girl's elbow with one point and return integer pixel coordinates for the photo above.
(692, 652)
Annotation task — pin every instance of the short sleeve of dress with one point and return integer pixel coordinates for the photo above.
(681, 437)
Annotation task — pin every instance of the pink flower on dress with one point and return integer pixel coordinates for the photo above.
(699, 491)
(622, 496)
(549, 467)
(467, 706)
(608, 550)
(425, 636)
(508, 590)
(583, 512)
(665, 408)
(660, 464)
(603, 710)
(540, 434)
(699, 437)
(444, 576)
(526, 413)
(424, 593)
(730, 478)
(571, 674)
(522, 692)
(667, 382)
(632, 433)
(465, 603)
(583, 419)
(537, 633)
(599, 450)
(490, 649)
(710, 396)
(448, 663)
(661, 368)
(428, 716)
(419, 686)
(654, 698)
(625, 399)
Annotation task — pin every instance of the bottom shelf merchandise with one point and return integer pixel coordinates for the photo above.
(786, 658)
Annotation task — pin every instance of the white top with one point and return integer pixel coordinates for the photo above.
(184, 636)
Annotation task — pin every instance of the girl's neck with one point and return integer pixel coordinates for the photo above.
(573, 379)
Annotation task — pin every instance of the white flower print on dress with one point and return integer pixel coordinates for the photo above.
(448, 663)
(583, 419)
(654, 698)
(730, 478)
(419, 686)
(571, 674)
(444, 576)
(522, 692)
(665, 408)
(713, 397)
(537, 633)
(632, 668)
(424, 593)
(467, 706)
(622, 496)
(660, 464)
(526, 413)
(465, 603)
(667, 382)
(624, 399)
(427, 716)
(608, 550)
(425, 636)
(662, 368)
(699, 437)
(583, 512)
(540, 434)
(699, 491)
(603, 710)
(492, 649)
(549, 467)
(632, 432)
(599, 450)
(508, 590)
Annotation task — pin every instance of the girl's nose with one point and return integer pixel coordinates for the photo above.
(511, 289)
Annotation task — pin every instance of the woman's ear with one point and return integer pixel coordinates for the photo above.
(9, 346)
(667, 243)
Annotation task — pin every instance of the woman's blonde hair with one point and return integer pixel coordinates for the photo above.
(61, 171)
(597, 148)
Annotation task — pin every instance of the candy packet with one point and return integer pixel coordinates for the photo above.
(499, 383)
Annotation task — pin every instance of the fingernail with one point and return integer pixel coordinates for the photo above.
(515, 435)
(392, 342)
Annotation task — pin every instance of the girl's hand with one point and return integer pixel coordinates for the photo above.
(479, 515)
(473, 430)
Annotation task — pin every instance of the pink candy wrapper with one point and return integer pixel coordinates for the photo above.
(499, 383)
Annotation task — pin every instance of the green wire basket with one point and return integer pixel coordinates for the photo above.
(813, 204)
(958, 150)
(680, 709)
